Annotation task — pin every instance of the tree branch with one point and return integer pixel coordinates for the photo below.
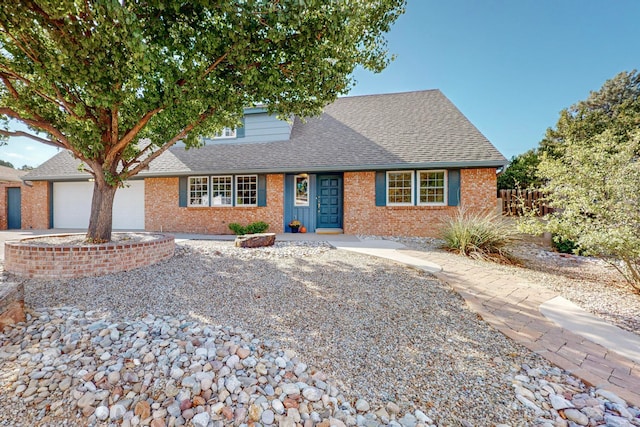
(40, 124)
(184, 132)
(34, 137)
(128, 137)
(213, 66)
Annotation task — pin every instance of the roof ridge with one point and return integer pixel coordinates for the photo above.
(390, 93)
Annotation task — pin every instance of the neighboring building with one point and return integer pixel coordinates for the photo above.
(10, 198)
(391, 164)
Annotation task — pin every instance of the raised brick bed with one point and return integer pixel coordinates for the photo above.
(27, 258)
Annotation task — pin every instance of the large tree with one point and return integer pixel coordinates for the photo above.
(592, 174)
(522, 172)
(118, 82)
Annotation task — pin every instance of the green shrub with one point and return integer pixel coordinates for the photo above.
(478, 235)
(565, 246)
(257, 227)
(253, 228)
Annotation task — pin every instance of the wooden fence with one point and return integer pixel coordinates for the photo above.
(514, 200)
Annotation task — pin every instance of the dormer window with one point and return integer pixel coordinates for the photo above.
(225, 133)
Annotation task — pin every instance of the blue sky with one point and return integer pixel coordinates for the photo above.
(509, 65)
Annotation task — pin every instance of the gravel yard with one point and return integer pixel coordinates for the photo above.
(378, 331)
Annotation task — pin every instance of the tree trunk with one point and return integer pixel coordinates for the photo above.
(100, 222)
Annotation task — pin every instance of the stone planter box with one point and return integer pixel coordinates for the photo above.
(28, 258)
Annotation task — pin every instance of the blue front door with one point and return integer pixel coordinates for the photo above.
(14, 215)
(329, 201)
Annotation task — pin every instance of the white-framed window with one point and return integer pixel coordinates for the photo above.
(225, 133)
(301, 190)
(400, 188)
(198, 191)
(246, 190)
(432, 185)
(222, 190)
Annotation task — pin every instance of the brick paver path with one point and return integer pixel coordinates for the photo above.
(511, 305)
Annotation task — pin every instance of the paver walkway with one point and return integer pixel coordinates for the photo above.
(512, 306)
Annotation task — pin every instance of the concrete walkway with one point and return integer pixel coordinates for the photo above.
(600, 354)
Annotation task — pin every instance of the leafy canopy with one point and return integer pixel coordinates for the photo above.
(97, 76)
(521, 172)
(592, 174)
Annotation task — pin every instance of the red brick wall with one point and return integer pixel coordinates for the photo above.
(35, 206)
(362, 216)
(478, 189)
(163, 213)
(28, 259)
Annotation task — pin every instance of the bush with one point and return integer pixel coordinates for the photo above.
(565, 246)
(253, 228)
(478, 235)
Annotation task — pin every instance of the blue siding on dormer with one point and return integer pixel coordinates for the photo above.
(264, 128)
(257, 126)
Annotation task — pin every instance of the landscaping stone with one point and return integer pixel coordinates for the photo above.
(255, 240)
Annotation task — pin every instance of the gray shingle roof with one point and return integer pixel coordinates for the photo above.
(8, 174)
(402, 130)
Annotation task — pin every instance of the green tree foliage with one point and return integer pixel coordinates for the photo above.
(118, 83)
(592, 175)
(7, 164)
(521, 172)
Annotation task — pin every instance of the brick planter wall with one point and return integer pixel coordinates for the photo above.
(27, 259)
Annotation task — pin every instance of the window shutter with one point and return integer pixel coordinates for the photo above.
(453, 180)
(240, 130)
(182, 191)
(262, 190)
(381, 189)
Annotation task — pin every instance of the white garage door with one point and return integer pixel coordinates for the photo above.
(72, 205)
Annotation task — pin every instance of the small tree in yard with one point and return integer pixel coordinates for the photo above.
(593, 176)
(119, 82)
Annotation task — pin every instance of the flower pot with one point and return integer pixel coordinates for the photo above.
(294, 229)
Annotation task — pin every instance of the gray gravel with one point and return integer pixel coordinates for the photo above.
(379, 331)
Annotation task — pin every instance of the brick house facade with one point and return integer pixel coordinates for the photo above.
(392, 164)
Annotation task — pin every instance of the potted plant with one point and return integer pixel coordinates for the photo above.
(295, 225)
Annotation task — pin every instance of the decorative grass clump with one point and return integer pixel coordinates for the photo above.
(481, 235)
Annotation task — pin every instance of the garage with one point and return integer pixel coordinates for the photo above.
(72, 205)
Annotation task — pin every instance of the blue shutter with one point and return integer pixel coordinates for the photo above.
(381, 189)
(240, 130)
(262, 190)
(453, 180)
(182, 191)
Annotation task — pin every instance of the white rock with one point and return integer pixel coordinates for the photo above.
(312, 394)
(280, 362)
(102, 413)
(576, 416)
(277, 406)
(176, 373)
(232, 360)
(362, 405)
(117, 411)
(201, 420)
(300, 368)
(290, 388)
(610, 396)
(558, 402)
(232, 383)
(268, 417)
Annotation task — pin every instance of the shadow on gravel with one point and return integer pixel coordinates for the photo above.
(379, 330)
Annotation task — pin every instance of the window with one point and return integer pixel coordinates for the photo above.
(225, 133)
(247, 190)
(198, 191)
(221, 191)
(301, 190)
(400, 188)
(432, 187)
